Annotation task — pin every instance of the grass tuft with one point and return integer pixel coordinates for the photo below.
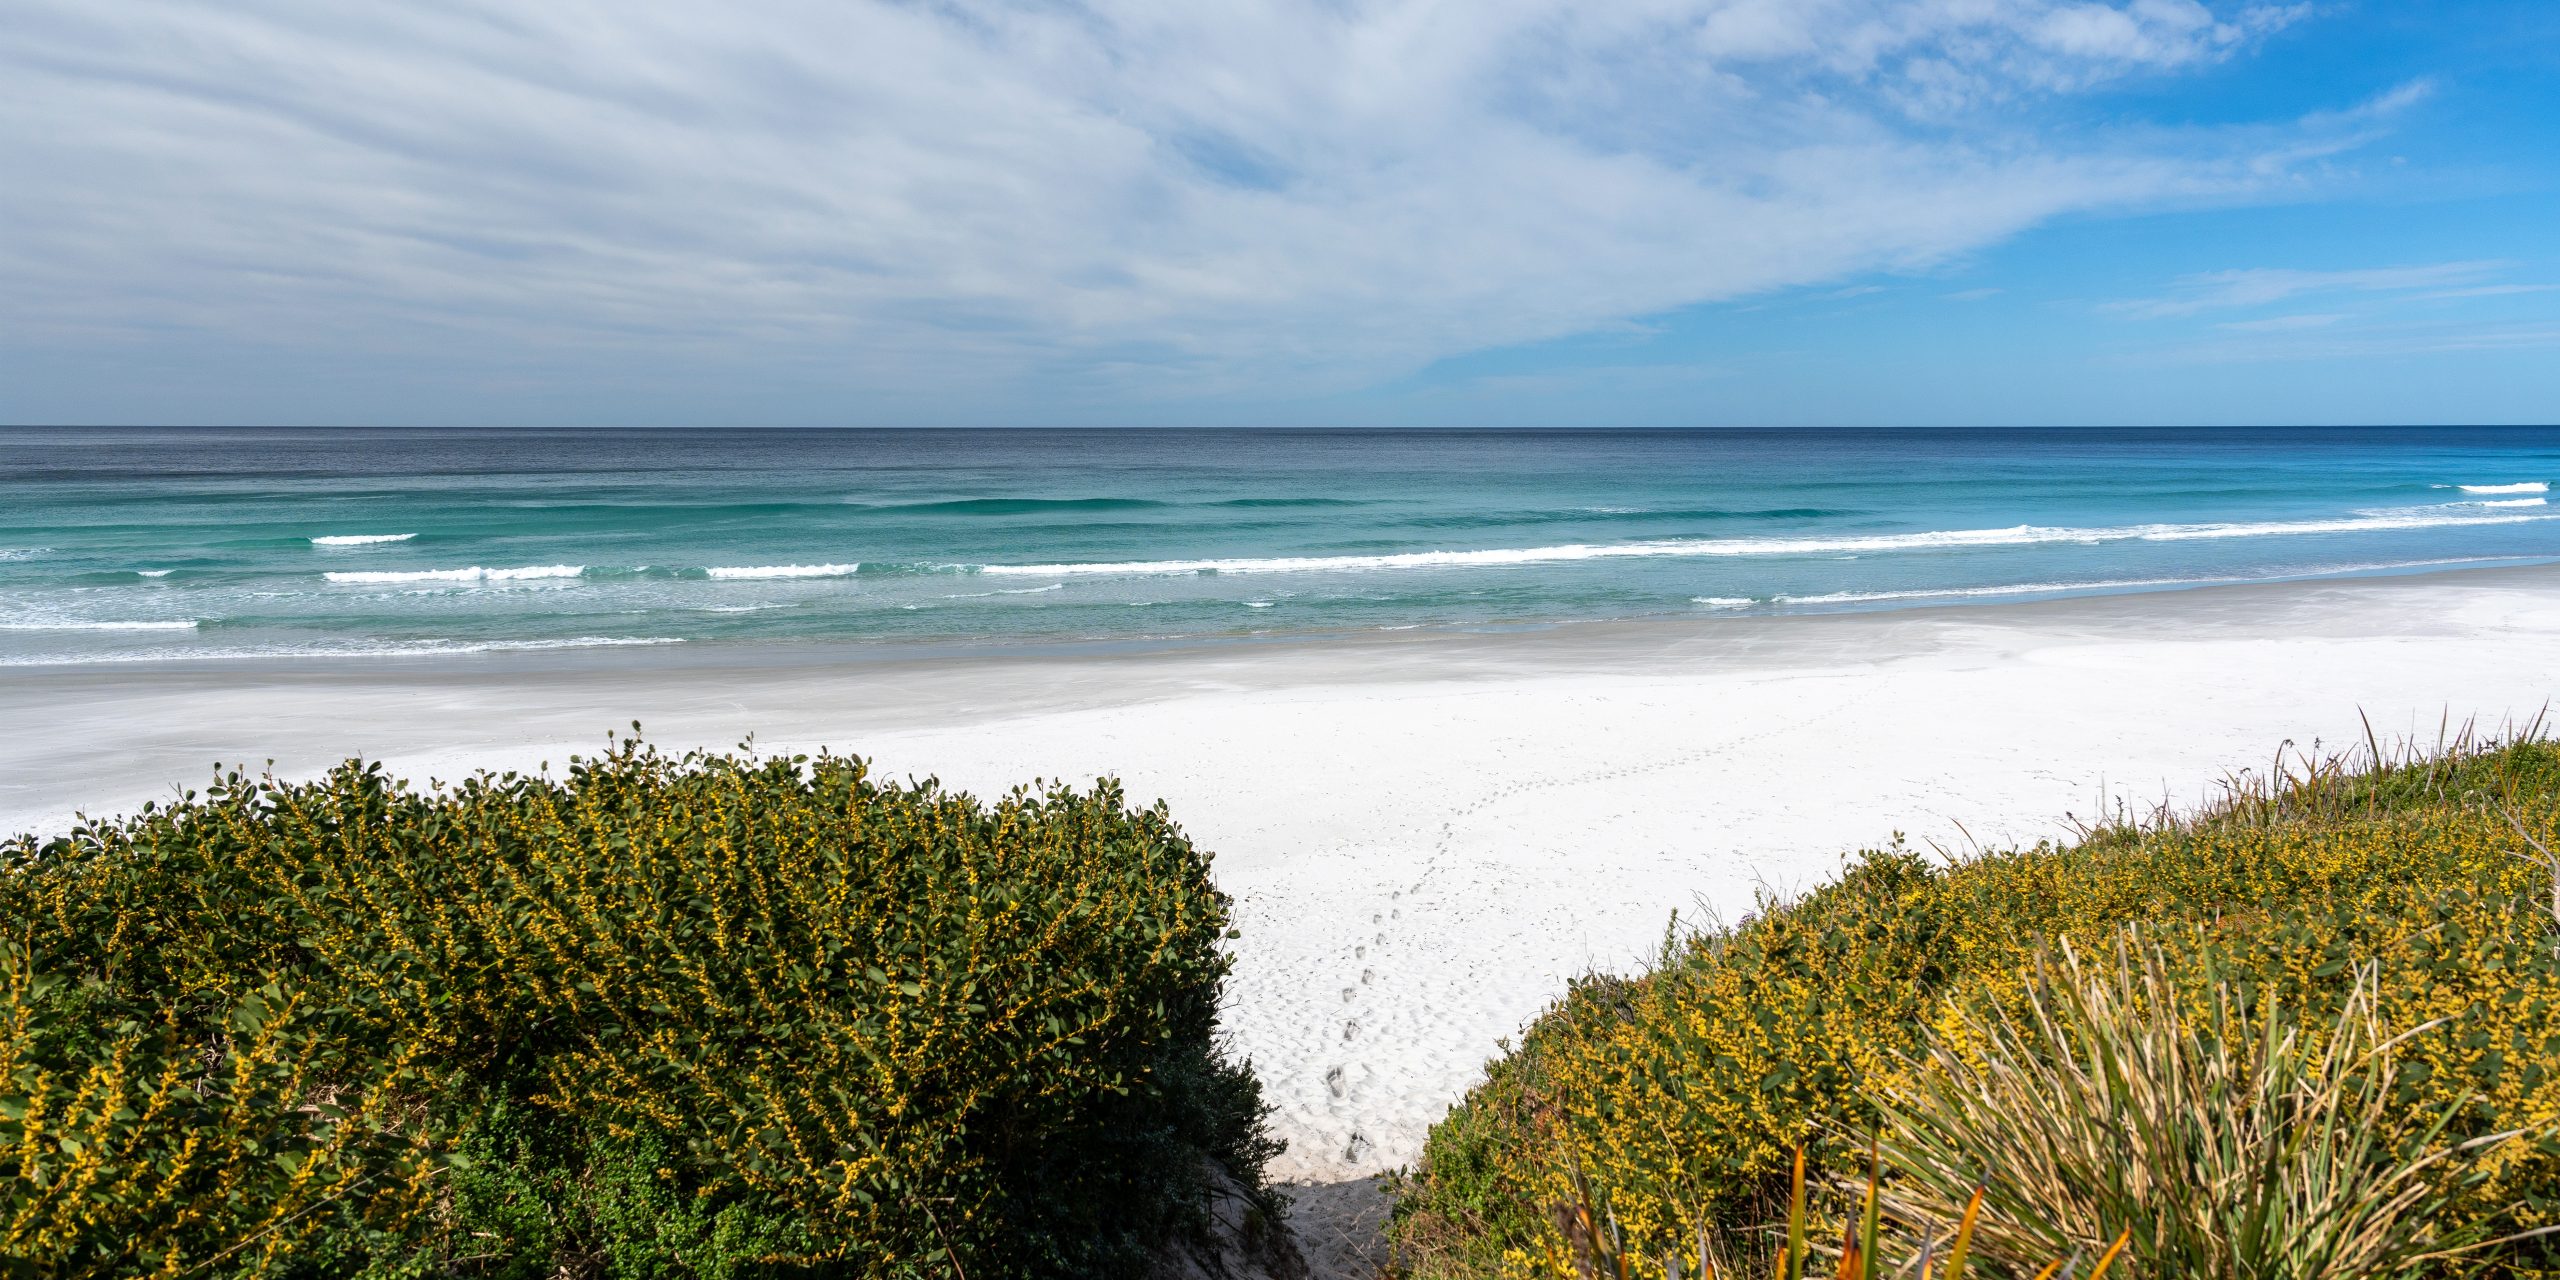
(2235, 1140)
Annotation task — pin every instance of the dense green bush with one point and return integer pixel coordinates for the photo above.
(709, 1016)
(1679, 1097)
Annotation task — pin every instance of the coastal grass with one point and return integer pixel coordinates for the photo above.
(718, 1015)
(2337, 908)
(2230, 1137)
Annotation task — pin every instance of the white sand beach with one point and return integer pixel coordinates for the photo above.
(1427, 834)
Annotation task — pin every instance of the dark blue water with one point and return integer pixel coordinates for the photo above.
(138, 544)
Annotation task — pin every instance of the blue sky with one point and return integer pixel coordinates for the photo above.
(1519, 212)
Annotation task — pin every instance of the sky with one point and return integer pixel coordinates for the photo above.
(1259, 212)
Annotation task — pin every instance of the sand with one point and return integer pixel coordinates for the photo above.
(1428, 834)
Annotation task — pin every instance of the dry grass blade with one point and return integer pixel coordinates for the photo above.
(2543, 855)
(1963, 1246)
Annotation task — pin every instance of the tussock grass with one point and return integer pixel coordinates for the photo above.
(2231, 1140)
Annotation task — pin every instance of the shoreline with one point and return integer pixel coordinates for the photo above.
(1427, 833)
(807, 651)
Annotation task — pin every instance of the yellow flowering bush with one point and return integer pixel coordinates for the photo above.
(712, 1015)
(1680, 1096)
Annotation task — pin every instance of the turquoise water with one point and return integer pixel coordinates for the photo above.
(138, 544)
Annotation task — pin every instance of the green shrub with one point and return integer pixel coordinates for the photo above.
(703, 1016)
(1683, 1093)
(129, 1149)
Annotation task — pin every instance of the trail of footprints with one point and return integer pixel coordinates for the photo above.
(1338, 1081)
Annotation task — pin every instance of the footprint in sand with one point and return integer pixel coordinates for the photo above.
(1440, 849)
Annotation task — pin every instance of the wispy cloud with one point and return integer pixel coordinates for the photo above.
(2485, 291)
(2382, 312)
(2364, 344)
(2284, 324)
(2264, 286)
(930, 208)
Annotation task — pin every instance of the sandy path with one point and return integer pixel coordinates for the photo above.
(1426, 836)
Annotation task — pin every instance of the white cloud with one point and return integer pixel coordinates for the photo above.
(1127, 200)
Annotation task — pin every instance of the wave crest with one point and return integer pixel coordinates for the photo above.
(473, 574)
(1941, 539)
(785, 571)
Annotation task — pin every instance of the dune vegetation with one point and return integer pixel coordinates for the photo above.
(728, 1015)
(709, 1016)
(2313, 1031)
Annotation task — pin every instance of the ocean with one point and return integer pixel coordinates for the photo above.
(122, 545)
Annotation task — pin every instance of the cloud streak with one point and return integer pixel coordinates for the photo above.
(2263, 286)
(967, 207)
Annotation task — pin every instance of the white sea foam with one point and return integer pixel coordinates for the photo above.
(574, 642)
(153, 573)
(2509, 502)
(473, 574)
(360, 539)
(386, 649)
(2528, 486)
(2106, 584)
(1940, 539)
(2006, 589)
(1723, 602)
(178, 624)
(786, 571)
(1257, 604)
(22, 553)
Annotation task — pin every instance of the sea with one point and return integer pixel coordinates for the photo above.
(281, 545)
